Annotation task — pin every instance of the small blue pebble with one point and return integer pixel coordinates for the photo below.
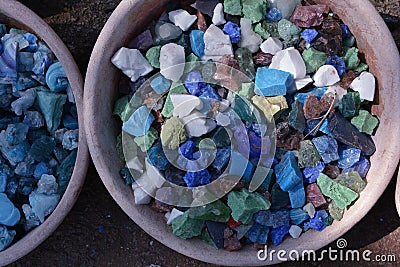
(160, 84)
(187, 149)
(348, 156)
(277, 234)
(70, 122)
(273, 14)
(197, 42)
(309, 35)
(194, 83)
(233, 30)
(32, 40)
(194, 179)
(101, 229)
(272, 82)
(345, 31)
(311, 174)
(338, 63)
(317, 222)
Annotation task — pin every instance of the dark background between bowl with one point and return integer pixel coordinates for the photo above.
(98, 233)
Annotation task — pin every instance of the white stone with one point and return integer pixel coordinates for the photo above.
(141, 197)
(339, 91)
(286, 7)
(218, 17)
(153, 175)
(222, 119)
(310, 209)
(132, 63)
(326, 75)
(271, 46)
(172, 61)
(295, 231)
(249, 38)
(167, 215)
(224, 104)
(301, 83)
(365, 85)
(217, 44)
(289, 60)
(185, 104)
(182, 19)
(135, 164)
(175, 213)
(196, 124)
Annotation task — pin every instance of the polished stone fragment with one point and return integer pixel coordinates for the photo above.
(327, 147)
(186, 227)
(342, 195)
(308, 16)
(308, 155)
(244, 204)
(343, 131)
(315, 196)
(350, 104)
(317, 222)
(351, 180)
(348, 156)
(297, 216)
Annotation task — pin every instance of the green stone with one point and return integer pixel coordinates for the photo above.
(147, 140)
(289, 32)
(314, 59)
(173, 133)
(120, 106)
(216, 211)
(351, 180)
(133, 105)
(246, 90)
(192, 63)
(246, 64)
(119, 147)
(362, 67)
(208, 71)
(244, 204)
(51, 105)
(221, 137)
(328, 220)
(351, 58)
(186, 227)
(342, 195)
(153, 56)
(335, 212)
(280, 198)
(205, 236)
(308, 155)
(205, 144)
(254, 9)
(233, 7)
(176, 88)
(365, 122)
(243, 109)
(296, 117)
(262, 30)
(350, 104)
(271, 28)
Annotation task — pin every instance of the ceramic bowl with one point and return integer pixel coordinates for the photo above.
(13, 13)
(131, 17)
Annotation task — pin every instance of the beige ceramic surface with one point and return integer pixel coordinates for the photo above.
(131, 17)
(15, 14)
(397, 196)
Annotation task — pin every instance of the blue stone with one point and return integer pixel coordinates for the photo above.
(348, 156)
(139, 123)
(194, 83)
(221, 159)
(42, 168)
(9, 214)
(56, 79)
(187, 149)
(6, 96)
(288, 174)
(266, 184)
(241, 166)
(309, 35)
(24, 81)
(42, 148)
(32, 40)
(25, 168)
(8, 63)
(197, 42)
(327, 147)
(160, 84)
(258, 234)
(15, 154)
(15, 134)
(272, 82)
(338, 63)
(297, 216)
(194, 179)
(277, 234)
(65, 169)
(362, 167)
(42, 61)
(302, 97)
(311, 174)
(209, 92)
(317, 223)
(273, 219)
(25, 186)
(70, 139)
(273, 14)
(325, 128)
(297, 196)
(6, 237)
(12, 186)
(233, 30)
(157, 157)
(345, 31)
(33, 119)
(42, 204)
(70, 122)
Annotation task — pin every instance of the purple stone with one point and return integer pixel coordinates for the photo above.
(311, 174)
(277, 234)
(317, 222)
(142, 41)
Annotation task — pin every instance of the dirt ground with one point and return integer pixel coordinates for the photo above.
(98, 233)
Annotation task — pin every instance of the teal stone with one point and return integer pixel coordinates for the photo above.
(350, 104)
(216, 211)
(221, 137)
(65, 170)
(297, 216)
(186, 227)
(197, 42)
(351, 58)
(266, 175)
(244, 109)
(120, 106)
(6, 237)
(160, 84)
(246, 64)
(244, 204)
(308, 155)
(296, 117)
(233, 7)
(153, 56)
(289, 32)
(280, 198)
(362, 67)
(51, 105)
(297, 196)
(42, 148)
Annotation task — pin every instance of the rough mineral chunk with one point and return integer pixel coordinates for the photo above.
(216, 211)
(9, 214)
(350, 104)
(258, 234)
(272, 82)
(365, 122)
(139, 123)
(342, 195)
(182, 19)
(132, 63)
(348, 156)
(311, 174)
(289, 60)
(185, 227)
(233, 7)
(172, 59)
(277, 234)
(217, 44)
(308, 16)
(315, 196)
(273, 219)
(173, 133)
(326, 75)
(288, 174)
(218, 16)
(327, 147)
(254, 9)
(314, 59)
(317, 222)
(249, 38)
(365, 85)
(6, 237)
(351, 180)
(308, 155)
(297, 216)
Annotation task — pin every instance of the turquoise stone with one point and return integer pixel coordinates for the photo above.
(186, 227)
(51, 105)
(139, 123)
(6, 237)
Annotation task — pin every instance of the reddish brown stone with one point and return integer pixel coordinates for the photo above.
(332, 171)
(347, 79)
(327, 100)
(233, 224)
(287, 137)
(312, 107)
(201, 22)
(160, 207)
(224, 72)
(263, 59)
(308, 16)
(314, 196)
(228, 232)
(330, 37)
(232, 243)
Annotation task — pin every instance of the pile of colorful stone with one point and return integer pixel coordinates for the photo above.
(307, 73)
(39, 133)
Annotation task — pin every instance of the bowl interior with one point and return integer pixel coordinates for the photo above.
(101, 129)
(14, 14)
